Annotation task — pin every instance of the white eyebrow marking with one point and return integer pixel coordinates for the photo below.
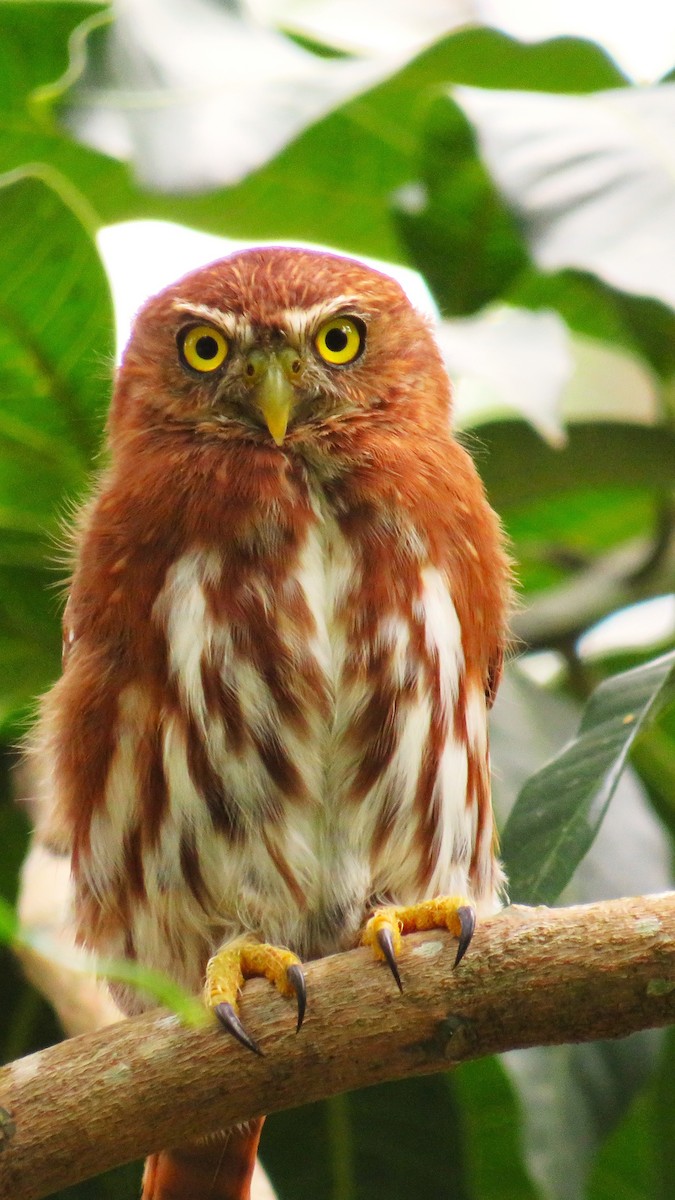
(299, 321)
(233, 325)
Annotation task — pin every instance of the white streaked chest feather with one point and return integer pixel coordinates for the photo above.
(314, 842)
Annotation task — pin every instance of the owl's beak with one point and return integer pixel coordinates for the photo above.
(273, 392)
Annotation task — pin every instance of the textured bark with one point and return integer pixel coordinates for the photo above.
(532, 977)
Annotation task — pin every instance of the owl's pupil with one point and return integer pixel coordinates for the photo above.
(336, 340)
(207, 347)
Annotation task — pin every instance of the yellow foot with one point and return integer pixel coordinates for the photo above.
(227, 971)
(384, 929)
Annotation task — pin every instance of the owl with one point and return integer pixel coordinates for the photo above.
(285, 627)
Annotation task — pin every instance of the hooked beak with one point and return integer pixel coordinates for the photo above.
(274, 394)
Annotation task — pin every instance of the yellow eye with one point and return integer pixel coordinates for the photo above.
(341, 340)
(203, 348)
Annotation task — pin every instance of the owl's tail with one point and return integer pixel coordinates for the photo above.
(219, 1169)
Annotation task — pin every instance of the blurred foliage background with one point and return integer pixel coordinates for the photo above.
(533, 188)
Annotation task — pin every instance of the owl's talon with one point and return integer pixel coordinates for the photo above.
(384, 928)
(385, 941)
(245, 959)
(230, 1021)
(296, 978)
(467, 924)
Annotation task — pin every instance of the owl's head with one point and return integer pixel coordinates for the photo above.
(280, 346)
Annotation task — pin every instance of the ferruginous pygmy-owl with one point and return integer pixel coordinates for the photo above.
(285, 628)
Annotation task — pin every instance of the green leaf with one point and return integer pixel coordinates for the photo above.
(34, 45)
(160, 987)
(9, 924)
(157, 985)
(664, 1119)
(590, 562)
(311, 192)
(230, 120)
(574, 1096)
(654, 758)
(560, 809)
(457, 229)
(490, 59)
(13, 839)
(491, 1118)
(388, 1142)
(56, 330)
(518, 467)
(530, 724)
(55, 361)
(624, 1168)
(583, 517)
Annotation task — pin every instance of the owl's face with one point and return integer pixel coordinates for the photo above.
(276, 346)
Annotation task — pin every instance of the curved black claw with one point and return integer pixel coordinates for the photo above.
(230, 1021)
(296, 978)
(386, 944)
(467, 925)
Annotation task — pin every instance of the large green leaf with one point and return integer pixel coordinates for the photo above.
(55, 364)
(584, 518)
(531, 725)
(573, 1096)
(56, 340)
(625, 1167)
(560, 809)
(457, 229)
(654, 758)
(34, 47)
(663, 1142)
(487, 58)
(491, 1121)
(518, 467)
(388, 1142)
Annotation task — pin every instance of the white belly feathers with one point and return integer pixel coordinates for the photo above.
(306, 850)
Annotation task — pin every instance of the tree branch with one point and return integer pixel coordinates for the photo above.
(533, 976)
